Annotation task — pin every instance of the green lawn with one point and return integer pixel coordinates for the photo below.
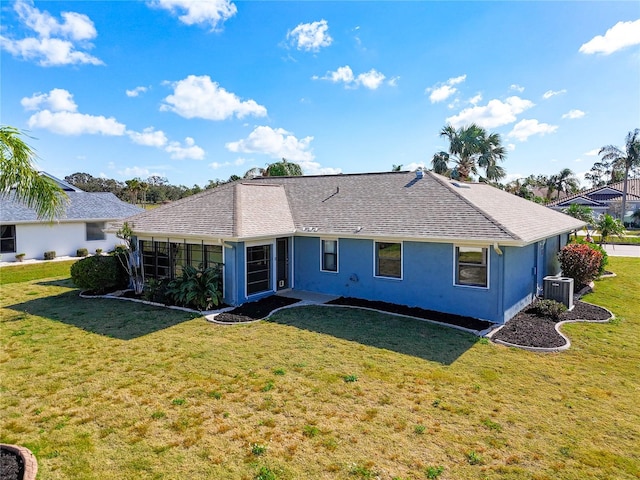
(107, 389)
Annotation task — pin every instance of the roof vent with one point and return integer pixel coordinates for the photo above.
(460, 185)
(419, 173)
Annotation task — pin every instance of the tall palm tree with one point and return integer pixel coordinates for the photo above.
(470, 147)
(18, 175)
(626, 160)
(566, 182)
(133, 186)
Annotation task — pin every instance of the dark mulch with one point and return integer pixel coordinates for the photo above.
(529, 330)
(466, 322)
(255, 310)
(11, 465)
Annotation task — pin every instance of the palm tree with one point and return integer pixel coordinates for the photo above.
(627, 160)
(133, 186)
(580, 212)
(566, 182)
(608, 226)
(469, 148)
(18, 175)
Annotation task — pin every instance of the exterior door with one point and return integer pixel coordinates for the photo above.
(282, 262)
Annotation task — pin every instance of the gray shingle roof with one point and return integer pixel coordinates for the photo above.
(374, 205)
(633, 192)
(81, 206)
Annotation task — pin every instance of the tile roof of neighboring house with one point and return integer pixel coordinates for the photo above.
(379, 205)
(633, 193)
(81, 206)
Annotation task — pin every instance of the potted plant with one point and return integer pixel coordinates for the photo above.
(20, 256)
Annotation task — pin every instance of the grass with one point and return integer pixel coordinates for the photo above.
(33, 271)
(103, 389)
(613, 240)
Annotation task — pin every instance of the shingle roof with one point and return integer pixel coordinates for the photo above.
(633, 192)
(378, 205)
(81, 206)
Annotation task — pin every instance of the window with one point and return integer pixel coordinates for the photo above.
(258, 269)
(94, 231)
(471, 266)
(388, 259)
(330, 255)
(166, 260)
(7, 239)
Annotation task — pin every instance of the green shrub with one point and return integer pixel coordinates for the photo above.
(200, 289)
(99, 274)
(50, 255)
(549, 308)
(82, 252)
(98, 251)
(156, 291)
(580, 262)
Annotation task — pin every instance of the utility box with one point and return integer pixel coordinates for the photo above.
(559, 289)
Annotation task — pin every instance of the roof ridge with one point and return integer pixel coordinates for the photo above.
(452, 188)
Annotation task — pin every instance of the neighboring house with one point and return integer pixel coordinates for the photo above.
(82, 225)
(407, 238)
(606, 199)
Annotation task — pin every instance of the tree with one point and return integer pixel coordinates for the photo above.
(129, 258)
(609, 226)
(469, 148)
(19, 176)
(566, 182)
(133, 187)
(277, 169)
(396, 168)
(624, 160)
(580, 212)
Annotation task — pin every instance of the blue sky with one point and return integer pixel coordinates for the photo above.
(198, 90)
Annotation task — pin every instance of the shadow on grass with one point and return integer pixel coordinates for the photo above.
(111, 318)
(402, 335)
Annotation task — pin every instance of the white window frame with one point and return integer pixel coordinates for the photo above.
(272, 261)
(487, 264)
(322, 253)
(375, 259)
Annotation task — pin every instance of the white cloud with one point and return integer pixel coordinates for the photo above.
(310, 36)
(58, 100)
(511, 147)
(149, 137)
(445, 90)
(276, 143)
(280, 143)
(494, 114)
(551, 93)
(199, 97)
(189, 151)
(135, 172)
(621, 35)
(199, 12)
(525, 128)
(476, 99)
(517, 88)
(371, 79)
(136, 91)
(592, 153)
(73, 123)
(56, 43)
(573, 114)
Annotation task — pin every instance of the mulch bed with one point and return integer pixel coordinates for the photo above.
(461, 321)
(258, 310)
(530, 330)
(11, 465)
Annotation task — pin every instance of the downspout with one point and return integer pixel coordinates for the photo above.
(502, 281)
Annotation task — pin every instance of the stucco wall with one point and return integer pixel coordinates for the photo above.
(63, 238)
(427, 281)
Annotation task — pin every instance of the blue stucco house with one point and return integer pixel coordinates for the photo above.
(411, 238)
